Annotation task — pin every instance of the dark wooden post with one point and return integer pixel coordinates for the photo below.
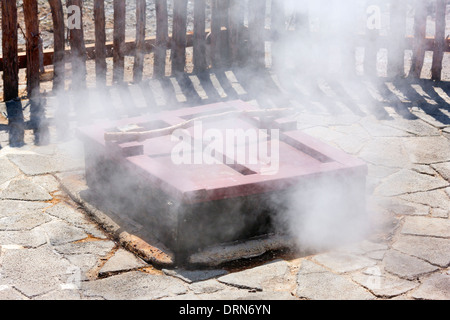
(119, 40)
(9, 44)
(200, 63)
(59, 44)
(10, 73)
(371, 47)
(100, 42)
(235, 32)
(37, 104)
(420, 28)
(141, 8)
(77, 45)
(257, 18)
(396, 50)
(162, 35)
(439, 40)
(179, 36)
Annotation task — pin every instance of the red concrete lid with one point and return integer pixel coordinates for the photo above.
(300, 156)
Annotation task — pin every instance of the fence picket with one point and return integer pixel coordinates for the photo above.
(100, 42)
(179, 36)
(119, 40)
(439, 40)
(141, 8)
(162, 36)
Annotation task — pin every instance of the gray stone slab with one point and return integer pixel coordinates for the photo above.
(257, 278)
(7, 171)
(434, 198)
(9, 293)
(134, 285)
(122, 260)
(23, 220)
(191, 276)
(75, 217)
(48, 182)
(437, 149)
(317, 283)
(436, 287)
(38, 164)
(406, 266)
(342, 262)
(34, 271)
(60, 232)
(13, 207)
(443, 169)
(99, 248)
(386, 152)
(427, 226)
(30, 238)
(24, 189)
(207, 286)
(408, 181)
(383, 285)
(434, 250)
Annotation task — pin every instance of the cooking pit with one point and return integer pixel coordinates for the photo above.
(206, 176)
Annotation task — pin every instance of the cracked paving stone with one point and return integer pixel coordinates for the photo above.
(383, 285)
(341, 262)
(433, 250)
(134, 285)
(192, 276)
(7, 171)
(317, 283)
(443, 169)
(437, 149)
(60, 232)
(426, 226)
(406, 266)
(34, 271)
(436, 287)
(100, 248)
(122, 260)
(23, 220)
(257, 278)
(25, 190)
(38, 164)
(386, 152)
(434, 198)
(30, 238)
(408, 181)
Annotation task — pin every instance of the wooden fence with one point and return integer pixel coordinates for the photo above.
(238, 34)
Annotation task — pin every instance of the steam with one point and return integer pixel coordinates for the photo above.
(318, 48)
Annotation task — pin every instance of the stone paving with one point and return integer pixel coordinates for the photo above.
(51, 248)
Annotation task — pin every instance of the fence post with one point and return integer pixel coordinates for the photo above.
(420, 28)
(119, 40)
(439, 40)
(100, 42)
(78, 49)
(235, 32)
(141, 7)
(257, 14)
(59, 44)
(179, 36)
(162, 35)
(396, 50)
(37, 103)
(10, 73)
(200, 64)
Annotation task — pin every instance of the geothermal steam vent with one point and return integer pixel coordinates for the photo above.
(214, 174)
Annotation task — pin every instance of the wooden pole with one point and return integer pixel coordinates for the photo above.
(119, 40)
(162, 36)
(59, 44)
(100, 42)
(179, 36)
(10, 73)
(396, 50)
(10, 51)
(37, 104)
(257, 18)
(439, 42)
(138, 69)
(200, 63)
(77, 45)
(420, 28)
(235, 33)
